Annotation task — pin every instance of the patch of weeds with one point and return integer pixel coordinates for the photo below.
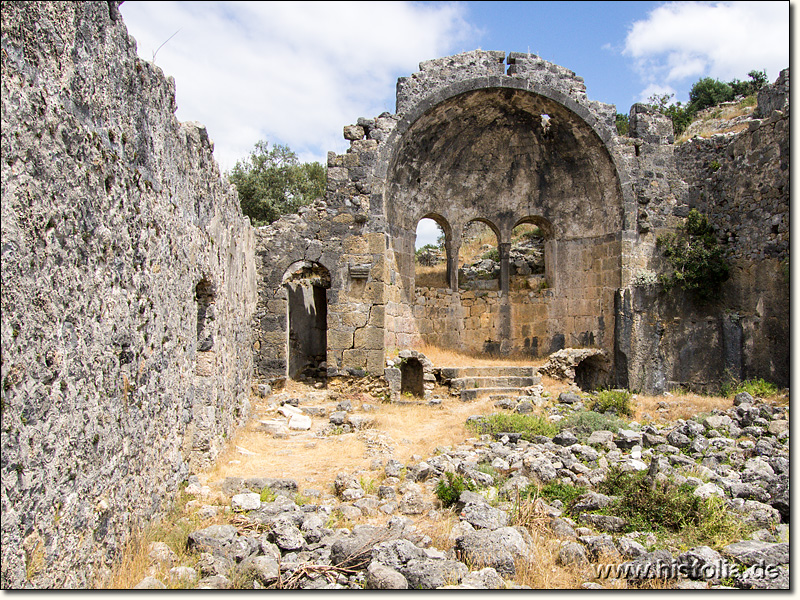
(301, 499)
(449, 489)
(555, 490)
(529, 426)
(337, 520)
(666, 506)
(758, 388)
(368, 485)
(618, 401)
(267, 495)
(487, 468)
(698, 261)
(584, 423)
(493, 254)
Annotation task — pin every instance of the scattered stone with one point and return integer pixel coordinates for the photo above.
(245, 502)
(571, 553)
(381, 577)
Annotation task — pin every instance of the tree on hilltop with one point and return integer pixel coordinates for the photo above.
(272, 182)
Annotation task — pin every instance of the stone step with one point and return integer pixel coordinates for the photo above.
(480, 393)
(449, 373)
(467, 383)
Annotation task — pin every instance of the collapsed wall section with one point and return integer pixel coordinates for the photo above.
(128, 285)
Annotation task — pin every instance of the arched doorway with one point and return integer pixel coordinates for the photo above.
(306, 285)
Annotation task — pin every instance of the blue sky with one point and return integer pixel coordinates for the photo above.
(295, 73)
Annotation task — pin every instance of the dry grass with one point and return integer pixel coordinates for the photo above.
(680, 406)
(442, 357)
(174, 527)
(688, 405)
(404, 429)
(302, 456)
(420, 429)
(714, 120)
(431, 277)
(472, 249)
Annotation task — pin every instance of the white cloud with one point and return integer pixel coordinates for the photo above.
(428, 232)
(290, 72)
(681, 42)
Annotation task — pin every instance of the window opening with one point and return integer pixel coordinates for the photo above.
(430, 255)
(527, 258)
(479, 258)
(205, 297)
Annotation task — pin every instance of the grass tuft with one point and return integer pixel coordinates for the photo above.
(529, 426)
(618, 401)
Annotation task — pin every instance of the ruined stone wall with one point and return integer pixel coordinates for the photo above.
(128, 286)
(335, 238)
(741, 182)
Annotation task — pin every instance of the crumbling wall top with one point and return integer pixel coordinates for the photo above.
(530, 70)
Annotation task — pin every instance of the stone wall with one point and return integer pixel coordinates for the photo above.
(335, 237)
(128, 288)
(741, 182)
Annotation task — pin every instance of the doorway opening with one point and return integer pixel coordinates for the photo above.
(412, 377)
(306, 286)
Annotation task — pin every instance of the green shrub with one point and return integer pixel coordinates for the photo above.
(618, 401)
(622, 124)
(273, 182)
(527, 425)
(709, 92)
(665, 506)
(449, 491)
(697, 260)
(584, 423)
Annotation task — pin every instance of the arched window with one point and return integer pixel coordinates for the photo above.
(430, 255)
(479, 257)
(530, 255)
(205, 296)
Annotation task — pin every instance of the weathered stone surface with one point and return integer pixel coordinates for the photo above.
(498, 549)
(244, 502)
(751, 552)
(483, 516)
(429, 574)
(571, 553)
(381, 577)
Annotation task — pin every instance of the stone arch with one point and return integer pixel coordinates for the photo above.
(505, 149)
(443, 223)
(306, 284)
(604, 129)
